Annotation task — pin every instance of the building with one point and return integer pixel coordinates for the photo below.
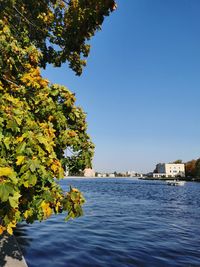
(101, 175)
(131, 173)
(169, 170)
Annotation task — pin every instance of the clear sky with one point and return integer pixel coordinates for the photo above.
(141, 85)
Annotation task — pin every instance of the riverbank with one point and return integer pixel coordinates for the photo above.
(11, 255)
(171, 178)
(187, 179)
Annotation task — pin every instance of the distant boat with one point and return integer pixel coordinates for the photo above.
(175, 182)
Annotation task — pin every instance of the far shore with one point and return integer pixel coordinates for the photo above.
(187, 179)
(95, 177)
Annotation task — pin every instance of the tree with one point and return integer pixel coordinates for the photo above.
(178, 161)
(156, 169)
(60, 29)
(197, 168)
(190, 168)
(39, 120)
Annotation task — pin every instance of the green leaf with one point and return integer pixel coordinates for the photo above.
(37, 202)
(1, 136)
(13, 178)
(32, 179)
(34, 164)
(7, 142)
(11, 124)
(5, 191)
(73, 196)
(14, 200)
(20, 148)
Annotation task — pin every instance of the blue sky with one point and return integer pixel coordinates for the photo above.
(141, 85)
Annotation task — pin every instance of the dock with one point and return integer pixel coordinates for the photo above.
(10, 252)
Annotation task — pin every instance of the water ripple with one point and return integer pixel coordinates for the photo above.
(126, 223)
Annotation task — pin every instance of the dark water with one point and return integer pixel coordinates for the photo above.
(127, 222)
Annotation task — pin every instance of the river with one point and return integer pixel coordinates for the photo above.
(127, 222)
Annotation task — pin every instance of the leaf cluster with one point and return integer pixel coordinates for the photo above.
(60, 29)
(39, 121)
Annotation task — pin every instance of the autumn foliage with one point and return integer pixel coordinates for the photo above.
(39, 120)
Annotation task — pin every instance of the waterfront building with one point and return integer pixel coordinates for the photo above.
(169, 170)
(131, 173)
(101, 175)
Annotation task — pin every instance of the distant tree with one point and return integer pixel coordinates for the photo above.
(178, 161)
(156, 169)
(197, 168)
(190, 167)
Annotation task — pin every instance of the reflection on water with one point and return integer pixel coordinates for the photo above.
(127, 222)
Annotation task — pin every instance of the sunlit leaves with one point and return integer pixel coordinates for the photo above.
(20, 160)
(39, 121)
(28, 213)
(65, 25)
(33, 79)
(46, 209)
(10, 227)
(5, 171)
(73, 202)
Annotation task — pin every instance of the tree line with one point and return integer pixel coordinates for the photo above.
(192, 168)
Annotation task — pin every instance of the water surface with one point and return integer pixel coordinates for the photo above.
(127, 222)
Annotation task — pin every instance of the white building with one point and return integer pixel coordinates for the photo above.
(101, 175)
(170, 170)
(131, 173)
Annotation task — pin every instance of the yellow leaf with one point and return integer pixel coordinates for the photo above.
(46, 209)
(28, 213)
(75, 190)
(19, 139)
(10, 230)
(57, 207)
(10, 227)
(5, 171)
(50, 118)
(54, 167)
(20, 160)
(26, 184)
